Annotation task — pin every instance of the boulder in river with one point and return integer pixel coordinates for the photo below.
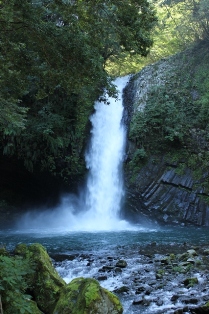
(85, 295)
(121, 263)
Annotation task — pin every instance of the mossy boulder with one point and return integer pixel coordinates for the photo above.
(86, 296)
(45, 282)
(3, 251)
(190, 282)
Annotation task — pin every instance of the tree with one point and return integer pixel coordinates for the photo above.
(53, 55)
(180, 24)
(191, 18)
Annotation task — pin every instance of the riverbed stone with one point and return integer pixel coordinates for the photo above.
(192, 252)
(101, 278)
(121, 263)
(206, 252)
(138, 301)
(123, 289)
(174, 297)
(85, 295)
(143, 288)
(190, 282)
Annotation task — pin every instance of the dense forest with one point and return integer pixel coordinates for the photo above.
(57, 58)
(53, 68)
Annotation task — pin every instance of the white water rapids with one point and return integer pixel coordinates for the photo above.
(98, 206)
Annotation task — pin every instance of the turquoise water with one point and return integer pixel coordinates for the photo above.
(86, 242)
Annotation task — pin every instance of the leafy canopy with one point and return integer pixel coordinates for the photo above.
(53, 55)
(180, 24)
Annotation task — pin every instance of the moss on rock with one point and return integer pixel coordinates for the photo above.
(33, 308)
(45, 282)
(86, 296)
(3, 251)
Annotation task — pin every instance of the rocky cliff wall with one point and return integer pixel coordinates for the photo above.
(157, 190)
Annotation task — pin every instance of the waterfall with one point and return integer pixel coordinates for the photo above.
(97, 208)
(104, 157)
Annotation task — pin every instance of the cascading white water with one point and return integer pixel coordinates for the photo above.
(97, 208)
(104, 159)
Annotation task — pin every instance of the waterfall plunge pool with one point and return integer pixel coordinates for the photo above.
(57, 240)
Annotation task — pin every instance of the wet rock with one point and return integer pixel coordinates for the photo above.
(143, 288)
(107, 268)
(121, 263)
(123, 289)
(206, 298)
(206, 252)
(159, 302)
(62, 257)
(137, 301)
(100, 278)
(160, 273)
(174, 297)
(117, 270)
(191, 260)
(146, 302)
(178, 311)
(165, 260)
(184, 264)
(183, 257)
(190, 282)
(192, 252)
(190, 300)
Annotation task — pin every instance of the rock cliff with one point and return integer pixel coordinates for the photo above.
(166, 164)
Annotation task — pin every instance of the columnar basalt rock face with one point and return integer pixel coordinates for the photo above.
(157, 190)
(168, 197)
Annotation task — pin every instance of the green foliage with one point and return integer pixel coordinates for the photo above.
(180, 24)
(53, 56)
(13, 284)
(175, 118)
(162, 119)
